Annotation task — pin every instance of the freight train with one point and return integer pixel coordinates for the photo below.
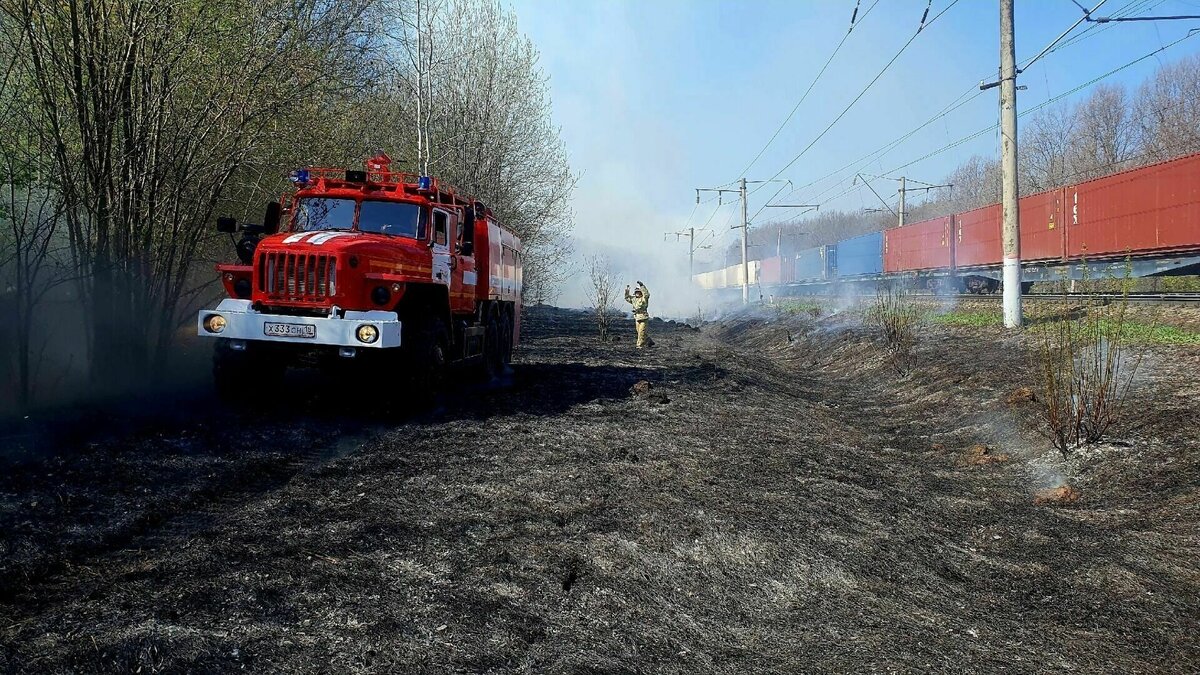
(1140, 222)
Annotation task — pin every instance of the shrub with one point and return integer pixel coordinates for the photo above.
(1085, 370)
(898, 319)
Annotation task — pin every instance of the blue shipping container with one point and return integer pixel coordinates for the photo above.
(810, 264)
(860, 256)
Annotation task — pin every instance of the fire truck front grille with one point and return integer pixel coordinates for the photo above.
(297, 276)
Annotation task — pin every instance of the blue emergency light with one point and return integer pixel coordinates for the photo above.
(299, 177)
(424, 183)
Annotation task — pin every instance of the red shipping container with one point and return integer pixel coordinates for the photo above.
(1153, 208)
(768, 272)
(1043, 226)
(920, 246)
(977, 239)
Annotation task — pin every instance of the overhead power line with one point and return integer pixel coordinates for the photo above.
(1128, 9)
(962, 100)
(1053, 100)
(812, 84)
(924, 25)
(970, 137)
(867, 158)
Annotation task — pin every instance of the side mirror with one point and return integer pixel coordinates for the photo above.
(272, 217)
(227, 224)
(245, 249)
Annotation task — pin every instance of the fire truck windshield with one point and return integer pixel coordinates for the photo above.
(323, 213)
(395, 218)
(326, 213)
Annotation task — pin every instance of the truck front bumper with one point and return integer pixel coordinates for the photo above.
(243, 322)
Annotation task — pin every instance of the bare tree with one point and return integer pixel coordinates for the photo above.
(1046, 141)
(1105, 137)
(1167, 110)
(31, 248)
(602, 293)
(484, 121)
(148, 121)
(148, 117)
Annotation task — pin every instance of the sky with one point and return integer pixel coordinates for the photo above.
(656, 98)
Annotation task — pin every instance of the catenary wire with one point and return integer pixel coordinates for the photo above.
(807, 91)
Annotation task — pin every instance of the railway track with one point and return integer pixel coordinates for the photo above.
(1140, 298)
(1146, 298)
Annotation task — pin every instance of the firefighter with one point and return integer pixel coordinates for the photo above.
(641, 313)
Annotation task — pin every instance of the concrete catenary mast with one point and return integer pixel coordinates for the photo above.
(1011, 232)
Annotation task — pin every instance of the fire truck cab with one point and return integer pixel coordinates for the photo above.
(368, 267)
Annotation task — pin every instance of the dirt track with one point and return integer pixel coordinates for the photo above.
(782, 500)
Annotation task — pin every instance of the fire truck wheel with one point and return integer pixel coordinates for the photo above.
(241, 376)
(506, 328)
(493, 348)
(431, 355)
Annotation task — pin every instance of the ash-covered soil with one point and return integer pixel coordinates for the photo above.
(781, 498)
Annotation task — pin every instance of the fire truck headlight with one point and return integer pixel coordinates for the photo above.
(381, 295)
(214, 323)
(367, 333)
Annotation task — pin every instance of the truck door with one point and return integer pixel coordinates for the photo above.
(462, 288)
(441, 246)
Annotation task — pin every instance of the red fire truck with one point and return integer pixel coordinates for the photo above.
(368, 267)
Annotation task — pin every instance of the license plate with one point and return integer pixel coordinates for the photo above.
(294, 330)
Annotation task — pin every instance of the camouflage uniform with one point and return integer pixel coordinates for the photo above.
(641, 313)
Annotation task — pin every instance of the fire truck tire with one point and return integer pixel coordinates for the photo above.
(241, 376)
(431, 355)
(506, 328)
(493, 348)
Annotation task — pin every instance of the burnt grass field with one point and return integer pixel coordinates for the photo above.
(781, 498)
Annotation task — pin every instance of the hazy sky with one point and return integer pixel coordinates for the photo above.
(658, 97)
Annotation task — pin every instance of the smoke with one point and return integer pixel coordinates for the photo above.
(849, 297)
(672, 293)
(61, 372)
(945, 295)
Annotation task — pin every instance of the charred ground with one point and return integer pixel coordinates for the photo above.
(780, 499)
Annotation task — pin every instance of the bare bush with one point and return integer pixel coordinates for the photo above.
(602, 293)
(1085, 371)
(899, 320)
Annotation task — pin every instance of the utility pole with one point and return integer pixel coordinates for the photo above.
(1011, 232)
(745, 230)
(691, 252)
(690, 233)
(903, 191)
(720, 194)
(745, 226)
